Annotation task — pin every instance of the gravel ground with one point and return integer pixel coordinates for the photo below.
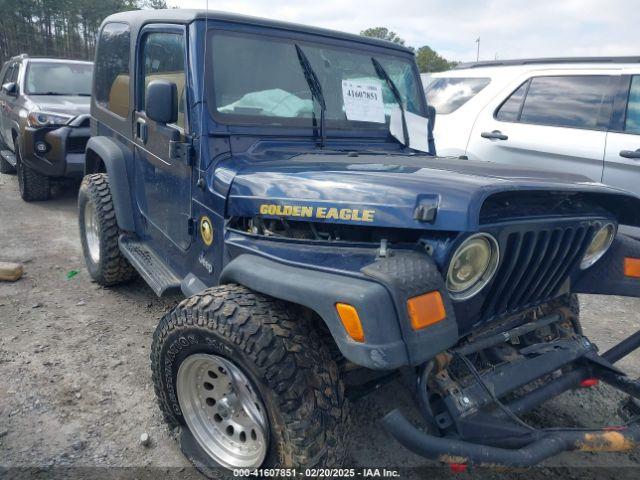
(76, 391)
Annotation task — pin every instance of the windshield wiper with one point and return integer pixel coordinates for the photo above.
(382, 73)
(316, 89)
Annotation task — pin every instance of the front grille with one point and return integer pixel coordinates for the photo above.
(77, 144)
(535, 264)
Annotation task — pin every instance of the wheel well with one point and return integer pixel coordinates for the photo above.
(94, 163)
(319, 325)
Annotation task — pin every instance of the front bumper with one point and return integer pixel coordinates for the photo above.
(475, 430)
(65, 148)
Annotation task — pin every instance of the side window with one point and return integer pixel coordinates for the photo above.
(14, 72)
(632, 122)
(7, 75)
(509, 111)
(571, 101)
(449, 94)
(112, 69)
(163, 59)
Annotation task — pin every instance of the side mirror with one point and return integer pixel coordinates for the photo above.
(161, 101)
(10, 88)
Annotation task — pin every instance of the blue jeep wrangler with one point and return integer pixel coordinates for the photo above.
(283, 179)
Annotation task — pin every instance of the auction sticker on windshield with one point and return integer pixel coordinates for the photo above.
(363, 101)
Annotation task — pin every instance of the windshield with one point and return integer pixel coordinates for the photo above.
(449, 94)
(55, 78)
(259, 80)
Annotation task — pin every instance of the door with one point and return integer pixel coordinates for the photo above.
(551, 122)
(6, 103)
(622, 157)
(163, 184)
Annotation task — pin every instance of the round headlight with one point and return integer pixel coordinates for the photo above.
(473, 266)
(600, 244)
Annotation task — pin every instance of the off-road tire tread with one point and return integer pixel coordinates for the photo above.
(35, 186)
(114, 266)
(290, 354)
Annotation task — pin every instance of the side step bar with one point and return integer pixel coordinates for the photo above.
(149, 265)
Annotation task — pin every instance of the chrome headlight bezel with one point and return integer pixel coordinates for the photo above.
(37, 118)
(589, 260)
(482, 280)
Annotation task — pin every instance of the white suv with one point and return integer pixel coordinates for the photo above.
(578, 115)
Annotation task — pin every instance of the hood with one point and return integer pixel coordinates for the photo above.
(386, 190)
(69, 104)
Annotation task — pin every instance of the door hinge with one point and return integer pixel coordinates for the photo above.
(181, 151)
(191, 226)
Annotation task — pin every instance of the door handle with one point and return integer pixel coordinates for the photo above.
(141, 130)
(495, 135)
(635, 154)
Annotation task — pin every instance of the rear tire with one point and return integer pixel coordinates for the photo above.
(34, 186)
(99, 233)
(283, 358)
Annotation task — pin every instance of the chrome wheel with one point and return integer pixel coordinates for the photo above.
(223, 411)
(92, 232)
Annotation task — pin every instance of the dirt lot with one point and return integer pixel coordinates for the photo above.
(76, 394)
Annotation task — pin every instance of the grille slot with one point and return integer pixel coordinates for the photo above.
(534, 266)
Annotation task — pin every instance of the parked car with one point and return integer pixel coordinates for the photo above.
(251, 165)
(579, 115)
(44, 121)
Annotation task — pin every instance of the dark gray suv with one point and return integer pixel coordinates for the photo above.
(44, 121)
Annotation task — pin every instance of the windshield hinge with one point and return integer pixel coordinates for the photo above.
(181, 151)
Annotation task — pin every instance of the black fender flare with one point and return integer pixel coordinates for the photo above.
(114, 157)
(384, 347)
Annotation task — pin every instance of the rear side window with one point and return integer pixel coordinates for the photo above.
(449, 94)
(632, 123)
(580, 101)
(112, 69)
(510, 109)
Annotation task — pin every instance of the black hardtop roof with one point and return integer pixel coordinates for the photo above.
(551, 60)
(138, 18)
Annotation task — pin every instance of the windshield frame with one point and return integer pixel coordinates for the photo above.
(226, 122)
(53, 63)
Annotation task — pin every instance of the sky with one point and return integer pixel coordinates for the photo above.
(507, 29)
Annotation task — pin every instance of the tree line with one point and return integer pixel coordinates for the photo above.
(428, 60)
(58, 28)
(68, 29)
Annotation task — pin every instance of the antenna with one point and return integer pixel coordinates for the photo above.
(202, 99)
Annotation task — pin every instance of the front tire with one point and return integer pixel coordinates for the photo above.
(34, 187)
(283, 363)
(99, 233)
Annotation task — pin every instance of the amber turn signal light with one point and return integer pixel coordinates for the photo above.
(425, 310)
(632, 267)
(351, 321)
